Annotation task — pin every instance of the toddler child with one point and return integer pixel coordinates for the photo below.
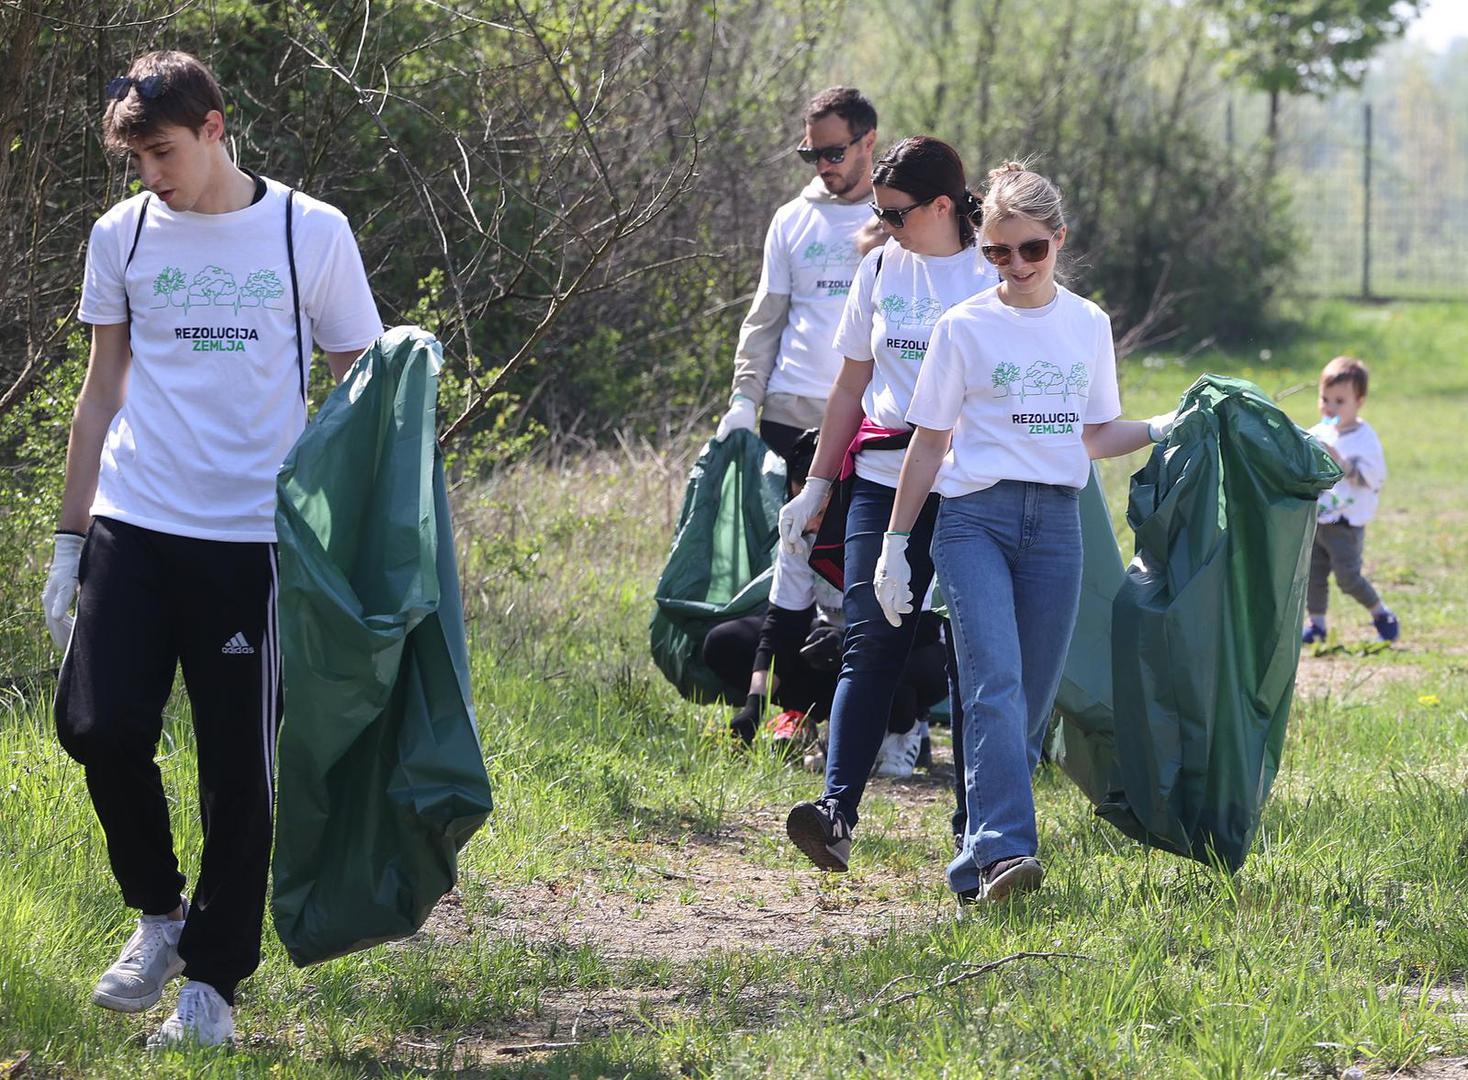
(1340, 534)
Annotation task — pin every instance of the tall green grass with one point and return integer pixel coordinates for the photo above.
(1317, 955)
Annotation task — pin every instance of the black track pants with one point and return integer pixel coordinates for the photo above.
(149, 602)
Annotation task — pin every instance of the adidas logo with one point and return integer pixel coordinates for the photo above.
(237, 646)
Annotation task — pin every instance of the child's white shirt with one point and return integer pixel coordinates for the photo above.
(1353, 500)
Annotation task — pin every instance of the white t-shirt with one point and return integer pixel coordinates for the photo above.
(796, 586)
(811, 256)
(213, 392)
(1016, 387)
(888, 319)
(1353, 500)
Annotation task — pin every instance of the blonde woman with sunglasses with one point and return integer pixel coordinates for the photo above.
(1017, 394)
(928, 264)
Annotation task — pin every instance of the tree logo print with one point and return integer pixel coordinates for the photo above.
(168, 285)
(894, 308)
(1005, 374)
(215, 286)
(1042, 377)
(1076, 382)
(259, 288)
(815, 254)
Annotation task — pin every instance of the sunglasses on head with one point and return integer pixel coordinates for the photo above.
(149, 87)
(896, 216)
(1031, 251)
(834, 154)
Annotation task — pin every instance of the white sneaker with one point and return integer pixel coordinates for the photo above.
(202, 1018)
(899, 753)
(149, 959)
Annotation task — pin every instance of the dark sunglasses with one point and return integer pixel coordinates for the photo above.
(834, 154)
(150, 87)
(1031, 251)
(896, 216)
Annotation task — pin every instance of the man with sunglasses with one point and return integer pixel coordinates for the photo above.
(205, 292)
(785, 362)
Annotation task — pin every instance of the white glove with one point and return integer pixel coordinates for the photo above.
(893, 580)
(740, 417)
(1160, 426)
(796, 514)
(60, 590)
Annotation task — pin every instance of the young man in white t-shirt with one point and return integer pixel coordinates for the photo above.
(785, 363)
(205, 293)
(1344, 510)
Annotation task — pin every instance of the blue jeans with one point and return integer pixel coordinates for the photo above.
(1009, 561)
(875, 652)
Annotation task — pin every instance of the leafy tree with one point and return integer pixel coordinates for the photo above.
(260, 286)
(1076, 380)
(1005, 373)
(211, 283)
(169, 283)
(1307, 46)
(815, 252)
(893, 308)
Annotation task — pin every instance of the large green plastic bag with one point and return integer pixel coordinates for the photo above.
(719, 567)
(381, 775)
(1083, 744)
(1205, 633)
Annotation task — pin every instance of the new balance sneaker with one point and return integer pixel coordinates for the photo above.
(1387, 627)
(790, 733)
(1313, 632)
(149, 959)
(819, 829)
(1004, 879)
(202, 1018)
(899, 753)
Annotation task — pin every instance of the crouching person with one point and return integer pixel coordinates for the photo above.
(789, 655)
(204, 293)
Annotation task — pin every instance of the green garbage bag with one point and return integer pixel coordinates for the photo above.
(719, 567)
(1205, 634)
(381, 775)
(1083, 740)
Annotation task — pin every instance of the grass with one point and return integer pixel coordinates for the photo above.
(632, 895)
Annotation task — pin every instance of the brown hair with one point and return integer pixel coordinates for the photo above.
(1016, 191)
(846, 102)
(925, 168)
(186, 97)
(1346, 369)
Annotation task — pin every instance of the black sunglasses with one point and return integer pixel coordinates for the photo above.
(1031, 251)
(896, 216)
(834, 154)
(150, 87)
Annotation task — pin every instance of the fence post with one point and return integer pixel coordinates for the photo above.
(1366, 224)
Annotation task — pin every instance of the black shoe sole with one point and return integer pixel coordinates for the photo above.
(806, 827)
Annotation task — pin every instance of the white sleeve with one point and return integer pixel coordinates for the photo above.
(339, 301)
(774, 274)
(794, 585)
(1370, 461)
(854, 332)
(942, 381)
(1105, 401)
(104, 290)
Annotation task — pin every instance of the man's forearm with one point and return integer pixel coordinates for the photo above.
(83, 461)
(759, 344)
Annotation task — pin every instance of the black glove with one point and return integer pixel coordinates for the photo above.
(745, 722)
(822, 648)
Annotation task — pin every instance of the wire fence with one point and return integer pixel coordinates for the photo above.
(1379, 191)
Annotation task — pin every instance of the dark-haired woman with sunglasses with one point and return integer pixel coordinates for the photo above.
(928, 264)
(1017, 394)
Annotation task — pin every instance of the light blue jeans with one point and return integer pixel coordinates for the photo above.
(1009, 561)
